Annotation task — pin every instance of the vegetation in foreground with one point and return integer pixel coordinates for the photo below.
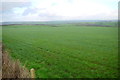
(64, 51)
(13, 69)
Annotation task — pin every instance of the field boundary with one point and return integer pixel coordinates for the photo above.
(12, 68)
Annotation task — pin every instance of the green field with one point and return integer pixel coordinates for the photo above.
(64, 51)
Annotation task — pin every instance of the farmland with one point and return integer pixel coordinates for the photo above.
(64, 51)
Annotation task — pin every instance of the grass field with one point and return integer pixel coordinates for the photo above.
(64, 51)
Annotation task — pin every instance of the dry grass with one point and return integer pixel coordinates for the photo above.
(0, 61)
(13, 69)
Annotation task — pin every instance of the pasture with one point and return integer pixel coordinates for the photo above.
(64, 51)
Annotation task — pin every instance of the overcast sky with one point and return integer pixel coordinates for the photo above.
(49, 10)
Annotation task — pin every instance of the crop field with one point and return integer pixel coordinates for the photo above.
(64, 51)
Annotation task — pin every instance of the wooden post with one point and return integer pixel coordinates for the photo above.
(32, 71)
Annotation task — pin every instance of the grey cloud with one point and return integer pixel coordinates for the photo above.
(30, 10)
(7, 9)
(8, 6)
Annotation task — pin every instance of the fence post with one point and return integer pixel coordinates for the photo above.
(32, 71)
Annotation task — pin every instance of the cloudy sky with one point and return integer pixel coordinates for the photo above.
(49, 10)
